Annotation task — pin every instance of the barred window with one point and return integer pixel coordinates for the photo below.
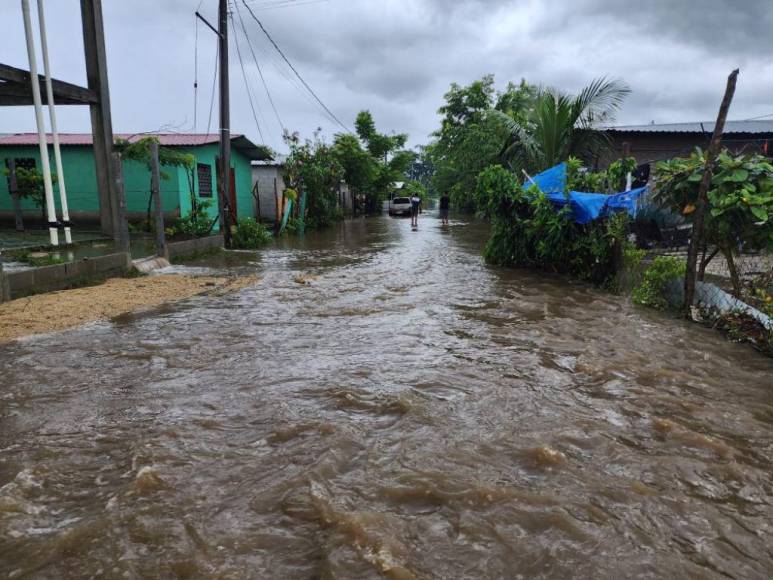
(205, 179)
(25, 163)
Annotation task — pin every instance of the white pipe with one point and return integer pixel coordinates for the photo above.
(54, 130)
(34, 79)
(629, 181)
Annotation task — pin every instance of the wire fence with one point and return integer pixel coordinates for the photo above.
(734, 286)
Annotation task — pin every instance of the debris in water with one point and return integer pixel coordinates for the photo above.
(148, 480)
(305, 279)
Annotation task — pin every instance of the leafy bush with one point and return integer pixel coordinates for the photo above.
(740, 201)
(528, 231)
(661, 272)
(197, 223)
(250, 235)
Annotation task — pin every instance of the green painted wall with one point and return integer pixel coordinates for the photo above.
(80, 181)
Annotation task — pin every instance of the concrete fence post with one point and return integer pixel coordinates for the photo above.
(120, 197)
(5, 291)
(161, 249)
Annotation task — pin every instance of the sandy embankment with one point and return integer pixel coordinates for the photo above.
(55, 311)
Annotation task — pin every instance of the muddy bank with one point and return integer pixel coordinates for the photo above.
(56, 311)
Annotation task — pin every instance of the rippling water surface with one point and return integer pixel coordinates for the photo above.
(385, 405)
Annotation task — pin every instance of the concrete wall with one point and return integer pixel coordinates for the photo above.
(194, 246)
(61, 276)
(81, 184)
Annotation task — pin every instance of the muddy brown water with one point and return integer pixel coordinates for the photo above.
(406, 413)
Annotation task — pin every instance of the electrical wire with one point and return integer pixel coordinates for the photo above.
(284, 57)
(246, 83)
(214, 84)
(282, 3)
(196, 75)
(257, 65)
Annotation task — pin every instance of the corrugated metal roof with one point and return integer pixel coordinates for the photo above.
(85, 139)
(278, 160)
(238, 141)
(759, 126)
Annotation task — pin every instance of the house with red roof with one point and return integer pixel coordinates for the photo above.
(179, 186)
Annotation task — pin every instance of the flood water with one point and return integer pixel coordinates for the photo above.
(407, 412)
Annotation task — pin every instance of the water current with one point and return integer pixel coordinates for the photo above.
(383, 404)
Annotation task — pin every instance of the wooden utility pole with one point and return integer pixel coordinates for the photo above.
(101, 122)
(224, 185)
(13, 187)
(696, 240)
(155, 187)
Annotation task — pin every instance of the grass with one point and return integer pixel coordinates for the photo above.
(26, 257)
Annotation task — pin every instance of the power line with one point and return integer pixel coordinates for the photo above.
(760, 117)
(214, 84)
(257, 64)
(196, 71)
(282, 3)
(305, 84)
(246, 83)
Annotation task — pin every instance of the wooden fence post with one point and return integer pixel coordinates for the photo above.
(155, 187)
(696, 239)
(120, 196)
(13, 186)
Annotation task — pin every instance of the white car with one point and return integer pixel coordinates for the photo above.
(400, 206)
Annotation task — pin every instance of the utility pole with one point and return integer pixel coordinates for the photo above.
(224, 189)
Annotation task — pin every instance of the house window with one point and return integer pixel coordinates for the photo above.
(25, 163)
(204, 172)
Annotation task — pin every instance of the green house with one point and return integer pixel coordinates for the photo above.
(81, 183)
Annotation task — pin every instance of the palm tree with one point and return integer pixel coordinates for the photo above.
(562, 125)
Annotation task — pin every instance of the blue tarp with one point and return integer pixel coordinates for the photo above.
(586, 207)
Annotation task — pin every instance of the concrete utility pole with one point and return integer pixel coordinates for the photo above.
(224, 189)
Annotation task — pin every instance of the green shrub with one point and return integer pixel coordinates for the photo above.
(250, 235)
(528, 231)
(197, 223)
(661, 272)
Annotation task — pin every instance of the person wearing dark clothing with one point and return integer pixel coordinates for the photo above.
(445, 208)
(415, 210)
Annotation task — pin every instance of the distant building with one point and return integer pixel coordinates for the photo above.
(269, 186)
(81, 182)
(656, 142)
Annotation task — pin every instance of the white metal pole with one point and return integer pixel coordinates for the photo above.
(34, 79)
(54, 130)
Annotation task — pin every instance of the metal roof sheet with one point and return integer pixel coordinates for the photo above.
(85, 139)
(238, 141)
(759, 126)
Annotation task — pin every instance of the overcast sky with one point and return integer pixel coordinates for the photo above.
(398, 57)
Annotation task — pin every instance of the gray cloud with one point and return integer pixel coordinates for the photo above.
(398, 57)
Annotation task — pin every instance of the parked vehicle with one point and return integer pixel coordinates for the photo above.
(400, 206)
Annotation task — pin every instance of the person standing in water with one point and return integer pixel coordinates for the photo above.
(445, 208)
(415, 210)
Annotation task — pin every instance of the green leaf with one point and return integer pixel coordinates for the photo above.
(739, 175)
(759, 213)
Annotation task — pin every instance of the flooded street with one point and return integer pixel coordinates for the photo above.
(383, 404)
